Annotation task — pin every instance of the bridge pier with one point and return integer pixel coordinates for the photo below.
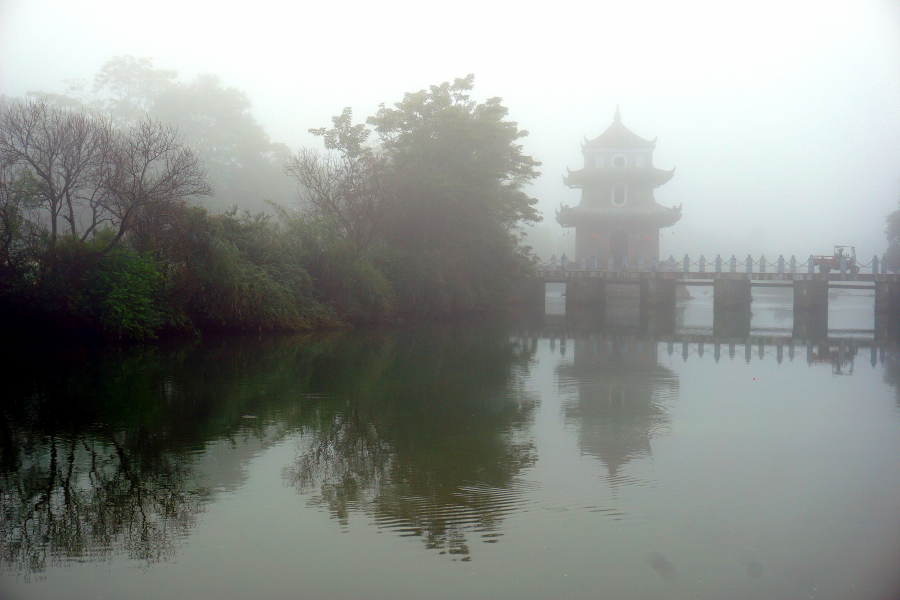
(887, 297)
(887, 310)
(658, 321)
(585, 292)
(658, 293)
(732, 294)
(887, 326)
(811, 295)
(811, 309)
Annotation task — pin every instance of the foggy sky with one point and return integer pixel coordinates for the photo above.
(781, 118)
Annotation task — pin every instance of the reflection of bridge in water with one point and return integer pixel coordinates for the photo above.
(623, 313)
(617, 395)
(840, 352)
(840, 348)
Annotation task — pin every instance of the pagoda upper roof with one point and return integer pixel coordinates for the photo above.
(618, 136)
(654, 214)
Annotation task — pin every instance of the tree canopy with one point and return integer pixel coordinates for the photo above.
(243, 163)
(349, 186)
(463, 168)
(892, 231)
(460, 176)
(417, 211)
(438, 205)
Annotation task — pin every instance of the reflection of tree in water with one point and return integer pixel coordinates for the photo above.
(101, 453)
(99, 450)
(74, 487)
(892, 370)
(619, 407)
(88, 496)
(424, 433)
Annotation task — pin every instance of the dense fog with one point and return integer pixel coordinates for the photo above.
(782, 119)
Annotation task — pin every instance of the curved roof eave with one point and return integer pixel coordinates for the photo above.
(619, 136)
(656, 214)
(653, 175)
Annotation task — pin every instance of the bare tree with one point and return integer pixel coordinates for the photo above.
(14, 203)
(148, 176)
(64, 151)
(81, 174)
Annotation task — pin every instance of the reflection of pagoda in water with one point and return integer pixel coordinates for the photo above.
(621, 395)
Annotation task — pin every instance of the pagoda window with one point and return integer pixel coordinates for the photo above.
(619, 194)
(618, 161)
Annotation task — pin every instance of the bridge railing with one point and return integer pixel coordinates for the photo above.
(718, 265)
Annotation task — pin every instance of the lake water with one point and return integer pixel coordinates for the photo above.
(525, 457)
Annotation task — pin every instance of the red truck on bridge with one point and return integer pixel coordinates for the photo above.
(827, 263)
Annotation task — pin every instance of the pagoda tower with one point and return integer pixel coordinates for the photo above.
(618, 216)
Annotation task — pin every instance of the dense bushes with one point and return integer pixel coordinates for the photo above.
(231, 272)
(76, 291)
(201, 272)
(121, 295)
(235, 272)
(345, 280)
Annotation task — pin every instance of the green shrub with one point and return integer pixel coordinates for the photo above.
(121, 294)
(344, 280)
(235, 272)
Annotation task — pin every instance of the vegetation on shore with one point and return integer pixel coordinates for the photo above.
(892, 232)
(104, 230)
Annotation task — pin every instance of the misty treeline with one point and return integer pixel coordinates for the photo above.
(892, 231)
(107, 227)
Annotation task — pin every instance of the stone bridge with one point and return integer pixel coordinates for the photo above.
(731, 290)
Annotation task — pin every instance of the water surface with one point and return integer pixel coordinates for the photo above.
(505, 458)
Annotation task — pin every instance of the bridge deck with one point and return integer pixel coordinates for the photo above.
(688, 278)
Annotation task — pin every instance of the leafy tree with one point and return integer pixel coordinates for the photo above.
(892, 255)
(460, 175)
(349, 186)
(126, 87)
(244, 165)
(461, 156)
